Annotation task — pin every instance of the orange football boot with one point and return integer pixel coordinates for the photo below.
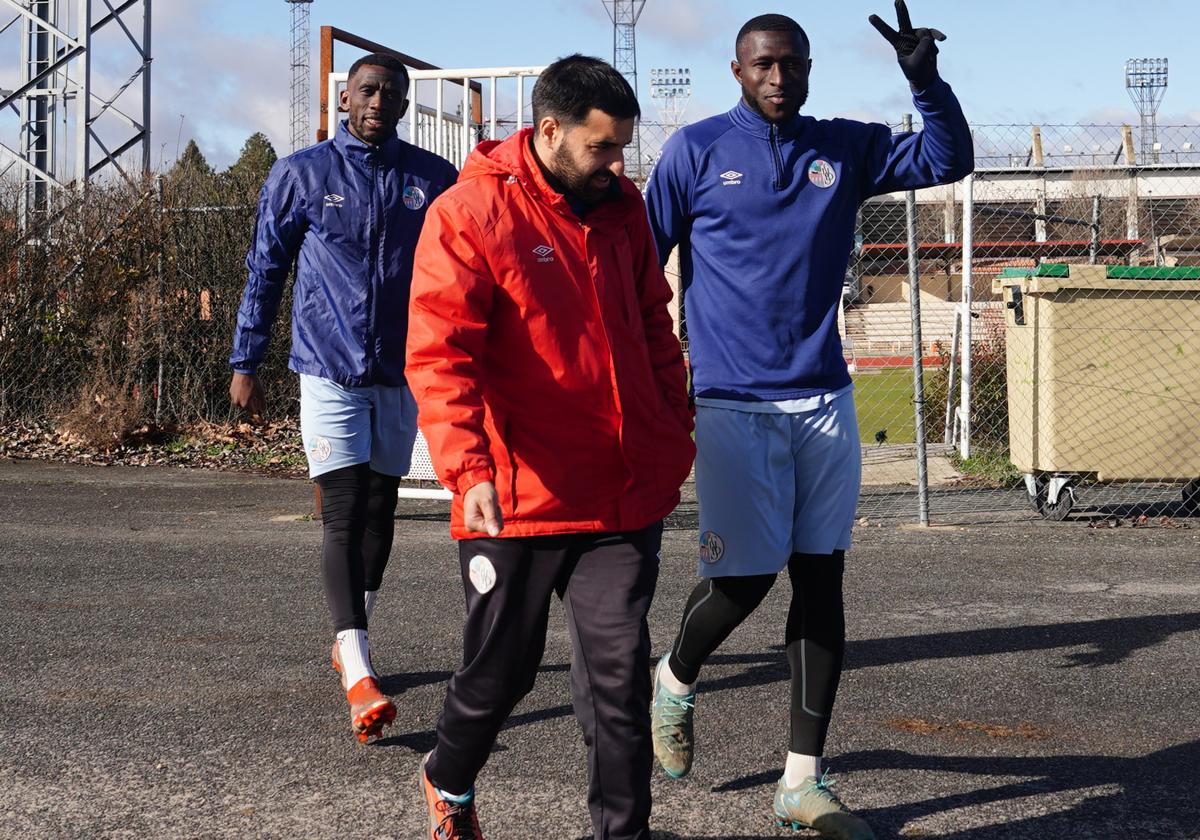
(336, 659)
(370, 709)
(449, 820)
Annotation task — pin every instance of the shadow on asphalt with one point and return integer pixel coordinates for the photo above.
(1156, 510)
(1151, 789)
(1111, 640)
(418, 516)
(665, 835)
(661, 835)
(394, 684)
(423, 742)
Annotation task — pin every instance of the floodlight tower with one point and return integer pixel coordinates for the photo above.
(70, 126)
(625, 14)
(300, 73)
(671, 88)
(1146, 81)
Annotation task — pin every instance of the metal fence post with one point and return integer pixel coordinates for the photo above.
(968, 283)
(162, 338)
(950, 428)
(914, 285)
(1094, 246)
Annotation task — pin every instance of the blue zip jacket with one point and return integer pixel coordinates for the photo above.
(764, 219)
(348, 214)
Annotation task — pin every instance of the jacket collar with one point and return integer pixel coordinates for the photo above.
(516, 154)
(351, 146)
(752, 122)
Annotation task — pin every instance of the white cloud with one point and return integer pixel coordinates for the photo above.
(699, 25)
(226, 86)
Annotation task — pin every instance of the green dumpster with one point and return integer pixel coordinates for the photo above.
(1103, 370)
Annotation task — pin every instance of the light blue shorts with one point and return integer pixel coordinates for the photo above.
(775, 484)
(343, 426)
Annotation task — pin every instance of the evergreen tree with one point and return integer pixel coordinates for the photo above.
(190, 163)
(255, 162)
(190, 182)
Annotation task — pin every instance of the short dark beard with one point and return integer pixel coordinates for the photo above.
(576, 182)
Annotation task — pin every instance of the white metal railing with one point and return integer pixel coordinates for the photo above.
(452, 135)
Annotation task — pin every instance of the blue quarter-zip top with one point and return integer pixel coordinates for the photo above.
(763, 215)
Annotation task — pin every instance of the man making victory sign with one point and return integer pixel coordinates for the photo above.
(761, 202)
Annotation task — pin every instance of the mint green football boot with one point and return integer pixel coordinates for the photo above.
(671, 728)
(813, 804)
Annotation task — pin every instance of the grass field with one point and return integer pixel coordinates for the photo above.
(884, 402)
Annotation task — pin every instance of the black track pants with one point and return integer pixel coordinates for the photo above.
(606, 582)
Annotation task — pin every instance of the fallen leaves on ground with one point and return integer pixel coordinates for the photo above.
(270, 448)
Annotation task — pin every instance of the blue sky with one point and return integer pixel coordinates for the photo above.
(223, 64)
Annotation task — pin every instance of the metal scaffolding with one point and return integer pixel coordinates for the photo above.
(624, 15)
(301, 75)
(56, 99)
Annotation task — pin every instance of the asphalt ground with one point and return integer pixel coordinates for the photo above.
(165, 674)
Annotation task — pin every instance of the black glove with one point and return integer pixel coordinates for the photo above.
(915, 48)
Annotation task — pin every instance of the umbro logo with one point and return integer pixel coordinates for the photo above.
(544, 253)
(731, 178)
(334, 200)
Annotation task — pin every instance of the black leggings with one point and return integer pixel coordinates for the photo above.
(358, 509)
(815, 636)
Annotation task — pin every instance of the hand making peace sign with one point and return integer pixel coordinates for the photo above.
(916, 49)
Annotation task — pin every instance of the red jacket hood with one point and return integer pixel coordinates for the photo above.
(514, 157)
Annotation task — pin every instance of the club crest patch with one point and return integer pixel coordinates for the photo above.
(482, 574)
(414, 198)
(320, 449)
(822, 174)
(712, 547)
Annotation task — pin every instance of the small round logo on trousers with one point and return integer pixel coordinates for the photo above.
(821, 173)
(482, 574)
(414, 198)
(712, 547)
(320, 449)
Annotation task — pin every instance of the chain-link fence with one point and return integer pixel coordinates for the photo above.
(119, 304)
(1073, 249)
(1071, 388)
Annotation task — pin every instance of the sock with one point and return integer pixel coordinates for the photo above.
(456, 798)
(356, 656)
(800, 767)
(671, 682)
(369, 599)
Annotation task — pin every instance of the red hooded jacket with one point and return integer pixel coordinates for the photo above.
(541, 354)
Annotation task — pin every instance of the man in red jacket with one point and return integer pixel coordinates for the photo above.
(552, 392)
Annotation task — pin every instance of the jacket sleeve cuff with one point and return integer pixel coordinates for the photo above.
(467, 480)
(932, 93)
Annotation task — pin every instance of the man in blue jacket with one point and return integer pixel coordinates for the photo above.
(761, 203)
(347, 214)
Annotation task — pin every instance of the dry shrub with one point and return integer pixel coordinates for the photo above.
(105, 416)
